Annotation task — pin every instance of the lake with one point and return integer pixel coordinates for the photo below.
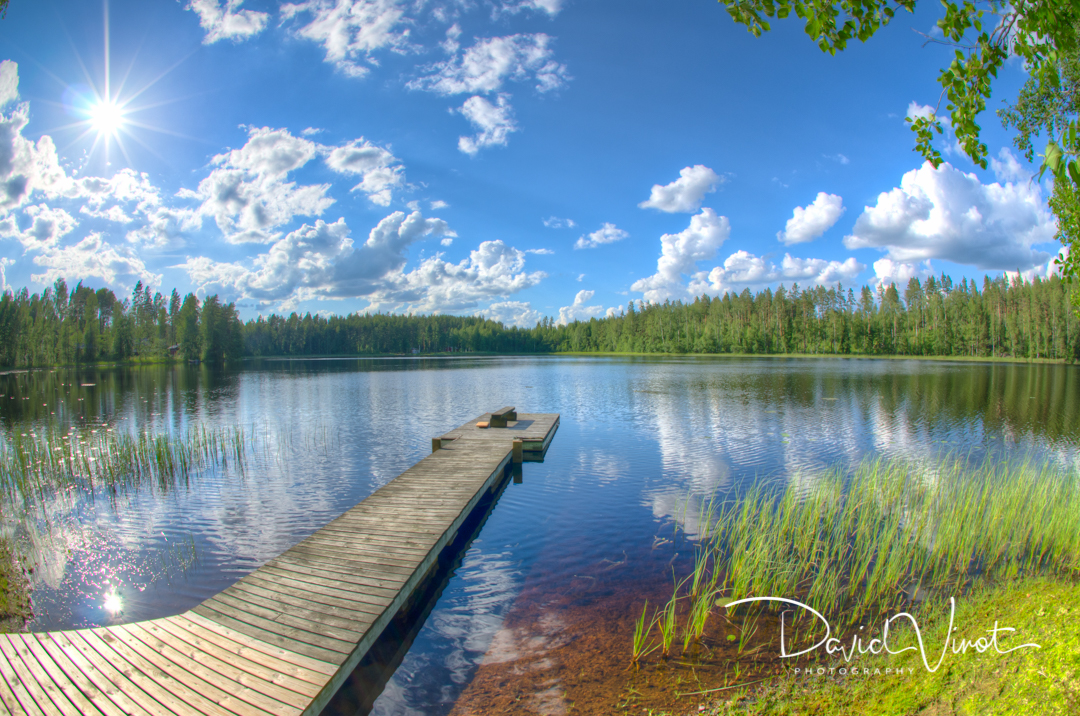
(537, 609)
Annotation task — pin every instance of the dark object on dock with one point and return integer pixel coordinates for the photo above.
(284, 638)
(500, 417)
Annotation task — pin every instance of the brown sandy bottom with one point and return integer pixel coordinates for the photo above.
(567, 651)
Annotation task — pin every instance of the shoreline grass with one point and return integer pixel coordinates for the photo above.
(15, 606)
(873, 541)
(881, 539)
(33, 467)
(168, 362)
(1042, 682)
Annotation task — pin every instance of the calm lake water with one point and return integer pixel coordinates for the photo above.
(640, 439)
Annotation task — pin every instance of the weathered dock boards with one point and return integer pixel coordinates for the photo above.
(284, 638)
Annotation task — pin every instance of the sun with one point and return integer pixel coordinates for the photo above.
(106, 118)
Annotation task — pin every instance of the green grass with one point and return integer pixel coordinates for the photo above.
(35, 467)
(15, 607)
(1041, 682)
(856, 546)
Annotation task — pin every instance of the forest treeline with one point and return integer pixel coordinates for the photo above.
(1010, 318)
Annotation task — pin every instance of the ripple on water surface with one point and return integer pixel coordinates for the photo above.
(565, 559)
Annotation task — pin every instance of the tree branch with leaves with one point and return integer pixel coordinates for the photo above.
(983, 35)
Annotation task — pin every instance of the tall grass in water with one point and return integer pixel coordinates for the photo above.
(851, 547)
(35, 467)
(854, 546)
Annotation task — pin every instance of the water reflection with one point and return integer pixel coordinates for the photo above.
(644, 444)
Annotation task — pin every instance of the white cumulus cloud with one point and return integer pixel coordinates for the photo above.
(680, 254)
(887, 271)
(946, 214)
(494, 122)
(512, 313)
(380, 171)
(745, 270)
(9, 82)
(685, 194)
(1007, 167)
(322, 261)
(350, 31)
(93, 257)
(4, 263)
(813, 221)
(485, 66)
(492, 270)
(25, 166)
(554, 222)
(606, 234)
(248, 194)
(578, 310)
(47, 226)
(227, 22)
(551, 7)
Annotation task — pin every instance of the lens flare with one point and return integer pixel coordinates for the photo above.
(112, 604)
(106, 117)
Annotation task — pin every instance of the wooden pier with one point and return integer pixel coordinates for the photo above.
(283, 639)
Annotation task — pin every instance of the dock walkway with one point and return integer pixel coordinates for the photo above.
(284, 638)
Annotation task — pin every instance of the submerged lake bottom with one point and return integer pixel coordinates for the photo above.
(535, 613)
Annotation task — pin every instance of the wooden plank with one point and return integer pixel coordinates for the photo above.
(11, 702)
(337, 570)
(344, 563)
(269, 631)
(300, 625)
(402, 546)
(30, 648)
(130, 698)
(46, 693)
(171, 692)
(233, 681)
(280, 673)
(88, 688)
(304, 663)
(290, 593)
(377, 529)
(342, 540)
(24, 694)
(336, 617)
(282, 639)
(372, 585)
(188, 680)
(362, 558)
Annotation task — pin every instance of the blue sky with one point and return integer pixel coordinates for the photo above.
(514, 158)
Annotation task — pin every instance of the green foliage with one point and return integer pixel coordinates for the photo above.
(1043, 33)
(1007, 318)
(1038, 31)
(59, 326)
(1044, 681)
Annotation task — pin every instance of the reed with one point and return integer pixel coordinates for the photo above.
(700, 609)
(34, 467)
(855, 544)
(641, 636)
(667, 624)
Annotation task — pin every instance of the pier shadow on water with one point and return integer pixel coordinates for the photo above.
(367, 681)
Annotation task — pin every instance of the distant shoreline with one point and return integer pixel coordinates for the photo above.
(575, 354)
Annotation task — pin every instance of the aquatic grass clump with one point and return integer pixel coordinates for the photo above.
(34, 467)
(641, 649)
(855, 545)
